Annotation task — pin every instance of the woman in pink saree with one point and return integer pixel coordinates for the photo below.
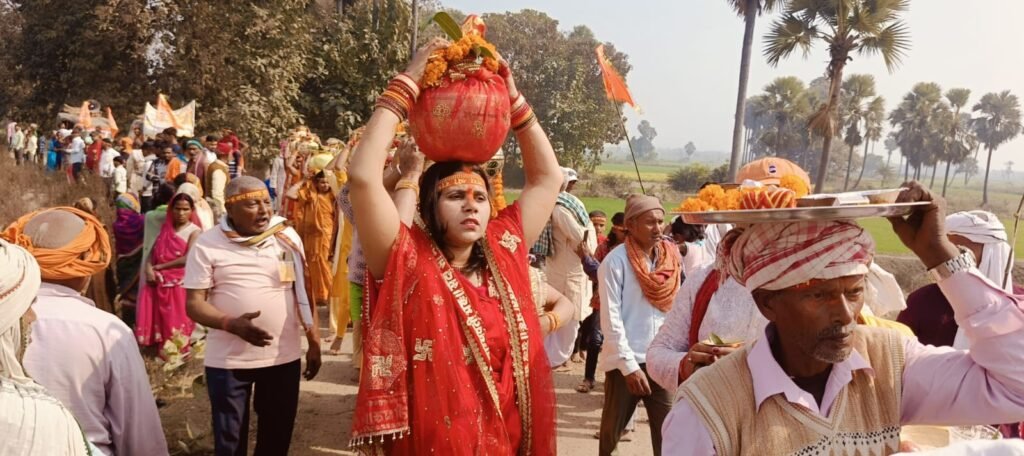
(161, 307)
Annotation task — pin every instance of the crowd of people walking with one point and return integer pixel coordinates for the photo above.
(735, 338)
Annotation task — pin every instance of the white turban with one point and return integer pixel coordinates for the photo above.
(33, 421)
(985, 229)
(19, 283)
(884, 295)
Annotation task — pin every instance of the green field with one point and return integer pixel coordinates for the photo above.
(649, 172)
(886, 241)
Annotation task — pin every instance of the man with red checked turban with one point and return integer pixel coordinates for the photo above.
(776, 256)
(815, 382)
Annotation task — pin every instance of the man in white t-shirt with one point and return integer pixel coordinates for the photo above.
(10, 132)
(76, 152)
(18, 143)
(107, 163)
(245, 282)
(31, 143)
(120, 179)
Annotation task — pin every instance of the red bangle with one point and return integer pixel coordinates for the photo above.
(224, 322)
(408, 82)
(517, 102)
(399, 96)
(526, 124)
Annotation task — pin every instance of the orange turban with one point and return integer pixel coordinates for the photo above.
(86, 253)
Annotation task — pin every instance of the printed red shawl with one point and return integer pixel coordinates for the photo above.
(427, 386)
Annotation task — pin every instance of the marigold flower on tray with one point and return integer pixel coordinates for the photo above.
(796, 184)
(730, 201)
(694, 205)
(713, 198)
(710, 193)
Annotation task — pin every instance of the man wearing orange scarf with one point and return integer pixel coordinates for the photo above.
(637, 283)
(84, 356)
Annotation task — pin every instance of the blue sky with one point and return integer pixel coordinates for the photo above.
(685, 56)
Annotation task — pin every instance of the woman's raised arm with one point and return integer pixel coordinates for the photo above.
(543, 175)
(376, 217)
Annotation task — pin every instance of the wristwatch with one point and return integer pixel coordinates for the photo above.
(962, 262)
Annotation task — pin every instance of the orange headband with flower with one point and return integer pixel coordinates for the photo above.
(463, 177)
(253, 195)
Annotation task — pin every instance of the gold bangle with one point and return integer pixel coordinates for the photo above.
(407, 183)
(555, 322)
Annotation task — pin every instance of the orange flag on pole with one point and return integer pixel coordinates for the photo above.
(111, 123)
(614, 85)
(84, 116)
(165, 107)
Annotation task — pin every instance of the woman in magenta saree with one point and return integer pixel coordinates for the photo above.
(128, 233)
(161, 314)
(453, 351)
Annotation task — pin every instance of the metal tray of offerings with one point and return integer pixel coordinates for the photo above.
(796, 214)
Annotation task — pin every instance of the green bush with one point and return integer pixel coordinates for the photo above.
(689, 178)
(720, 173)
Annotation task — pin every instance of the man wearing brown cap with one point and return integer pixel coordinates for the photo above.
(637, 282)
(84, 356)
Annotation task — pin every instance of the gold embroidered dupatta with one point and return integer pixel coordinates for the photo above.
(428, 385)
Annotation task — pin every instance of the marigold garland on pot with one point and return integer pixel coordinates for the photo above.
(464, 50)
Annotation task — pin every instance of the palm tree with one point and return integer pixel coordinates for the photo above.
(749, 10)
(941, 147)
(784, 102)
(856, 90)
(874, 118)
(957, 143)
(998, 123)
(866, 27)
(914, 124)
(755, 125)
(890, 147)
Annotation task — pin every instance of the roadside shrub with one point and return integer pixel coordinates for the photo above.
(689, 178)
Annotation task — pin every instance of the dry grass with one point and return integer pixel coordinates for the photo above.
(30, 187)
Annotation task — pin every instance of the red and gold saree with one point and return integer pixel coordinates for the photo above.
(451, 368)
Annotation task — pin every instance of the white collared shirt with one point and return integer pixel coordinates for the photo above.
(941, 386)
(89, 360)
(629, 322)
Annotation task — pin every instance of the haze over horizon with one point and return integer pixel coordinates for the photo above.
(686, 54)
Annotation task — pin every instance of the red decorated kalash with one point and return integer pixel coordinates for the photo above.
(463, 111)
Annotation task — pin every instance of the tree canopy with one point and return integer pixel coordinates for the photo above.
(271, 65)
(559, 75)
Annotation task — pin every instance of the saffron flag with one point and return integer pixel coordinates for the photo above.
(84, 117)
(155, 120)
(614, 85)
(164, 107)
(111, 124)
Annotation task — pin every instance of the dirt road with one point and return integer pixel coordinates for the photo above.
(326, 406)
